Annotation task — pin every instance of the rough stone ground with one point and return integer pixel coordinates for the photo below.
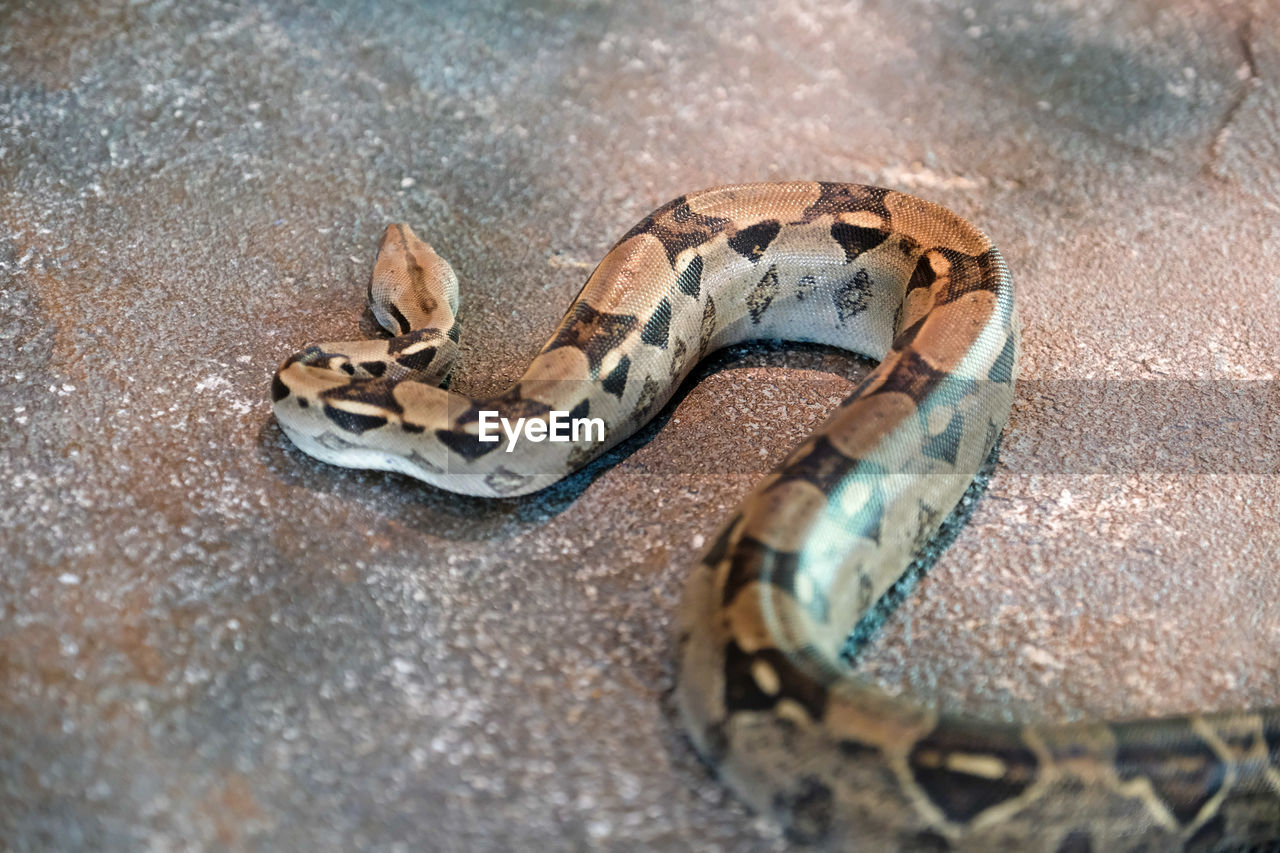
(208, 639)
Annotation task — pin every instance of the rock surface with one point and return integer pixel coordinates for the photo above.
(209, 639)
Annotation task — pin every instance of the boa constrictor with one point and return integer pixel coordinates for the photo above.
(761, 687)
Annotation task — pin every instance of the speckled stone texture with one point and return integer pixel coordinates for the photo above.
(210, 640)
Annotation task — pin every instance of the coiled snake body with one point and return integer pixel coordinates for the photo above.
(760, 685)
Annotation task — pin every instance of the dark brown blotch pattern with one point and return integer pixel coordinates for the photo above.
(960, 795)
(616, 382)
(856, 239)
(595, 333)
(754, 562)
(945, 446)
(835, 198)
(657, 331)
(752, 241)
(372, 392)
(707, 327)
(1184, 771)
(678, 228)
(969, 274)
(353, 422)
(689, 282)
(852, 295)
(913, 376)
(743, 693)
(762, 295)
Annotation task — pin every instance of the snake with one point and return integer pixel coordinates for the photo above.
(761, 687)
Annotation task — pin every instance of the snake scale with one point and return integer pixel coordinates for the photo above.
(760, 686)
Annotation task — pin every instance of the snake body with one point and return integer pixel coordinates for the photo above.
(761, 688)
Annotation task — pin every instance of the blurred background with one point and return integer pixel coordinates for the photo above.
(210, 640)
